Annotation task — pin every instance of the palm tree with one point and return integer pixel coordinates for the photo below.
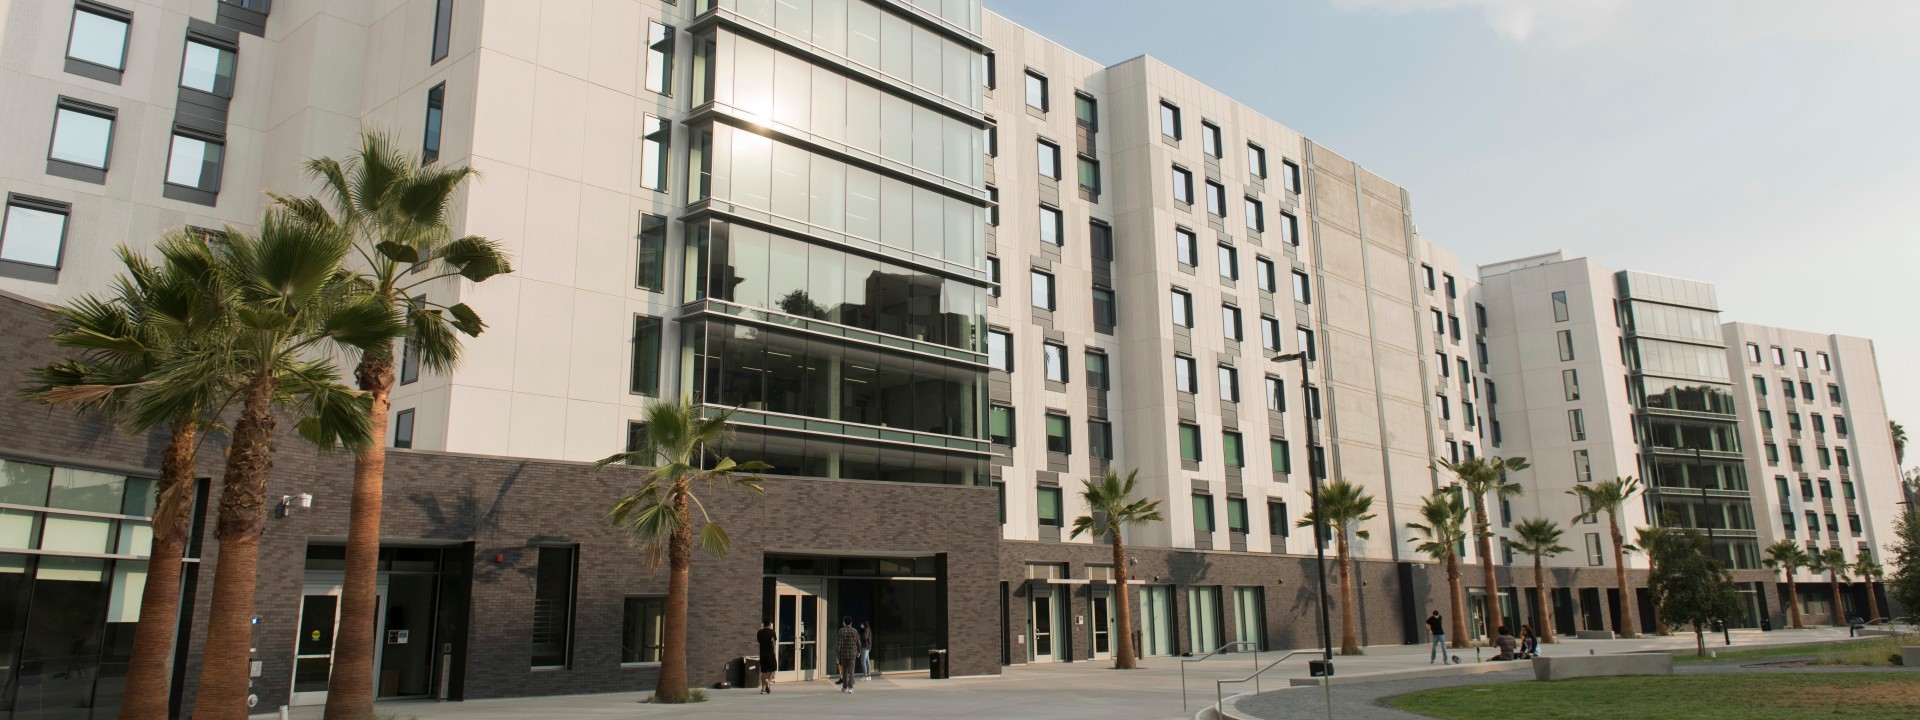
(1445, 531)
(1899, 433)
(1540, 538)
(1346, 505)
(151, 314)
(1869, 571)
(284, 296)
(1648, 540)
(1482, 475)
(1787, 556)
(1112, 509)
(1610, 496)
(395, 211)
(682, 449)
(1833, 562)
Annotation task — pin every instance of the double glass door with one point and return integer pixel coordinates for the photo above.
(1156, 620)
(799, 617)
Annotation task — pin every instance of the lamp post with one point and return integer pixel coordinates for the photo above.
(1319, 526)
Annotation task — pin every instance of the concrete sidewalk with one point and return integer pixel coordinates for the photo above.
(1043, 692)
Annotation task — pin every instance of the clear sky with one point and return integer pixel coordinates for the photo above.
(1771, 148)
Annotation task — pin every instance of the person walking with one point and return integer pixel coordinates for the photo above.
(768, 663)
(866, 650)
(1437, 629)
(847, 649)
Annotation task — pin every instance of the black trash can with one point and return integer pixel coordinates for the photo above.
(1319, 668)
(1766, 624)
(750, 672)
(736, 672)
(937, 668)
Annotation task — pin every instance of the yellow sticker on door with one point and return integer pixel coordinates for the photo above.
(316, 634)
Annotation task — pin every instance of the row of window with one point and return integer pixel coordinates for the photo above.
(1813, 522)
(1213, 145)
(1793, 422)
(1779, 356)
(1827, 457)
(1186, 251)
(1806, 389)
(1003, 429)
(1253, 208)
(1426, 276)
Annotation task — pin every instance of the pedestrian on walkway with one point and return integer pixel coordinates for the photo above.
(847, 649)
(1438, 631)
(1856, 625)
(768, 664)
(866, 650)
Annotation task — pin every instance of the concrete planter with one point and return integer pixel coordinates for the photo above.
(1574, 666)
(1910, 655)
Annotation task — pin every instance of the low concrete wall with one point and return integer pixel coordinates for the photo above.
(1910, 655)
(1574, 666)
(1594, 635)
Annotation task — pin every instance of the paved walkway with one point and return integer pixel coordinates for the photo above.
(1041, 692)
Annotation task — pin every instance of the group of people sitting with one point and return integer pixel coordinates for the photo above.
(1525, 647)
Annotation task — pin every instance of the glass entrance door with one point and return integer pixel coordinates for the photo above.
(1043, 624)
(1103, 627)
(313, 649)
(1156, 620)
(799, 616)
(1249, 618)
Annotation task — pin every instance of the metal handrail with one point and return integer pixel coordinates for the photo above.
(1219, 695)
(1216, 651)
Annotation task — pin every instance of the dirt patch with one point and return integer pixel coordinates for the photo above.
(1904, 692)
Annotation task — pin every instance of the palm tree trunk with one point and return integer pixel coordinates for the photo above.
(1628, 627)
(672, 685)
(151, 659)
(1540, 596)
(1487, 579)
(1123, 608)
(1458, 597)
(1349, 633)
(222, 693)
(1838, 618)
(350, 686)
(1878, 602)
(1659, 623)
(1793, 602)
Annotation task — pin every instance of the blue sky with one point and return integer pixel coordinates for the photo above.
(1772, 148)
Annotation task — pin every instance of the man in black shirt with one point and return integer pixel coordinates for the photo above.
(768, 662)
(1438, 630)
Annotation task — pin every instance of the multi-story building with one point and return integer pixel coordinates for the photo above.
(927, 257)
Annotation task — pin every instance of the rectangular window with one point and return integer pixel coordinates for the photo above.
(1453, 326)
(989, 71)
(1100, 439)
(1779, 356)
(1565, 338)
(1085, 111)
(656, 142)
(1059, 439)
(1089, 174)
(409, 354)
(1786, 387)
(1047, 156)
(643, 628)
(1426, 272)
(1289, 229)
(1229, 262)
(1826, 363)
(1182, 186)
(1826, 461)
(1231, 450)
(1582, 466)
(999, 350)
(1186, 247)
(1570, 383)
(194, 161)
(1270, 333)
(1467, 414)
(1461, 363)
(1447, 278)
(553, 586)
(1282, 455)
(1216, 199)
(1053, 228)
(442, 29)
(1048, 503)
(1440, 361)
(430, 136)
(1853, 523)
(1043, 297)
(98, 40)
(1840, 426)
(403, 429)
(1202, 513)
(1189, 442)
(1446, 408)
(1210, 139)
(1097, 377)
(1100, 240)
(207, 66)
(1264, 274)
(646, 356)
(1766, 419)
(1806, 390)
(1000, 425)
(1760, 386)
(1560, 306)
(1229, 384)
(82, 133)
(1290, 176)
(35, 232)
(1037, 91)
(1277, 524)
(1773, 454)
(1302, 293)
(1439, 321)
(660, 58)
(1237, 515)
(1800, 358)
(1169, 120)
(1105, 312)
(993, 206)
(1576, 424)
(1276, 395)
(1794, 456)
(1753, 352)
(1593, 549)
(1256, 160)
(1819, 423)
(1230, 322)
(1453, 451)
(1182, 308)
(1305, 337)
(1184, 375)
(650, 253)
(993, 138)
(1054, 362)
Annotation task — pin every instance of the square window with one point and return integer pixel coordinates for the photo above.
(207, 68)
(82, 133)
(194, 162)
(99, 37)
(35, 231)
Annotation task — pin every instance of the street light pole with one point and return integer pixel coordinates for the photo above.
(1319, 527)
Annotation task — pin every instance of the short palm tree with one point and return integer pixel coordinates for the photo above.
(1540, 538)
(152, 313)
(284, 297)
(1899, 433)
(1480, 476)
(1870, 572)
(1111, 509)
(1787, 556)
(1445, 532)
(1610, 496)
(395, 210)
(1345, 505)
(681, 449)
(1833, 562)
(1648, 540)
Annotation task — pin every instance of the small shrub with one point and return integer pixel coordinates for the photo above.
(693, 696)
(1896, 659)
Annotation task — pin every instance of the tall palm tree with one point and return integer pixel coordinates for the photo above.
(1445, 531)
(1648, 540)
(1869, 572)
(1899, 433)
(1787, 556)
(1610, 496)
(1111, 508)
(152, 313)
(1540, 538)
(395, 211)
(682, 449)
(1833, 562)
(1480, 476)
(1346, 505)
(285, 297)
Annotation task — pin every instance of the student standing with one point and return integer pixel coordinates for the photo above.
(847, 649)
(866, 650)
(1437, 629)
(768, 663)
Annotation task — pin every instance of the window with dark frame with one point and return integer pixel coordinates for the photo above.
(1190, 442)
(430, 136)
(1182, 185)
(1256, 160)
(97, 41)
(1053, 228)
(82, 134)
(442, 29)
(1059, 434)
(1169, 120)
(656, 144)
(1290, 176)
(1100, 240)
(1048, 505)
(650, 254)
(660, 58)
(553, 594)
(642, 629)
(1053, 361)
(34, 232)
(1000, 425)
(208, 65)
(645, 377)
(1210, 139)
(1047, 158)
(403, 429)
(1289, 229)
(195, 159)
(1037, 91)
(1256, 215)
(1100, 439)
(1264, 274)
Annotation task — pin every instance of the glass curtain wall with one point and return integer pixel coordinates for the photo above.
(900, 599)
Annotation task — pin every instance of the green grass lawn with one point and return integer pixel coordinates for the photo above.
(1865, 696)
(1852, 652)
